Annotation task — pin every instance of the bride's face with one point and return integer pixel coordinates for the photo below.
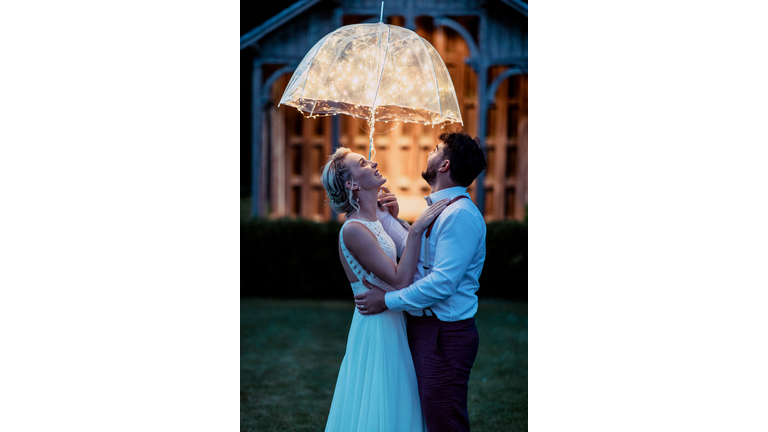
(364, 172)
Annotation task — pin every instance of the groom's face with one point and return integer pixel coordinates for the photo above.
(434, 160)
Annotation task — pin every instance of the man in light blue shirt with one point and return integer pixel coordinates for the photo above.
(441, 302)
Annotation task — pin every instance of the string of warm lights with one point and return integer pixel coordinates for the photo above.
(376, 72)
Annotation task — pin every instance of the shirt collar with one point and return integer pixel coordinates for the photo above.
(445, 193)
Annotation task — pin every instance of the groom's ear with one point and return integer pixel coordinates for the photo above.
(445, 166)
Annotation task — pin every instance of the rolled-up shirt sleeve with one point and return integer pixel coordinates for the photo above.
(459, 235)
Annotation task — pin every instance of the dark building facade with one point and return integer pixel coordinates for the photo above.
(484, 44)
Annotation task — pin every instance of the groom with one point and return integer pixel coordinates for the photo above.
(441, 302)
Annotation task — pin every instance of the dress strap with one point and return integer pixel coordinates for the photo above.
(357, 269)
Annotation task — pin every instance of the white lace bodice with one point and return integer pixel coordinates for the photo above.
(387, 245)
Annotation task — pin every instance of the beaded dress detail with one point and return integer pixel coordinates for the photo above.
(376, 389)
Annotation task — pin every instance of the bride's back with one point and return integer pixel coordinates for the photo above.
(383, 241)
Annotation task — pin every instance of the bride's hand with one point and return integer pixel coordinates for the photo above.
(428, 216)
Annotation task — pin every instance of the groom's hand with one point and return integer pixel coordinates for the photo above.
(370, 302)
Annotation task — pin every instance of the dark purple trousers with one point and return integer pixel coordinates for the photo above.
(443, 354)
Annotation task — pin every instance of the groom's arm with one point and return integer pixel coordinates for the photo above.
(459, 236)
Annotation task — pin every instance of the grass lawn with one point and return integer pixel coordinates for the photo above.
(291, 350)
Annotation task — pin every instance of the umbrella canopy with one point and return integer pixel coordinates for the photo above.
(377, 72)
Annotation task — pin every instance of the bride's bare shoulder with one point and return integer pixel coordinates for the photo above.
(355, 233)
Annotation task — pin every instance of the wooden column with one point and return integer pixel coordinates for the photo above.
(278, 162)
(306, 144)
(480, 65)
(335, 144)
(482, 119)
(256, 143)
(521, 177)
(501, 146)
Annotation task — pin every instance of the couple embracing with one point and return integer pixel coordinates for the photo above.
(413, 340)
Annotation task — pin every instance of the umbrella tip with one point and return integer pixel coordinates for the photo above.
(381, 18)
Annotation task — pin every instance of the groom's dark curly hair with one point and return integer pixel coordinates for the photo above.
(467, 156)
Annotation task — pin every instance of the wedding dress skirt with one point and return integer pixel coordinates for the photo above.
(376, 390)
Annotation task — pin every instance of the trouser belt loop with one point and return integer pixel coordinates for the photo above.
(428, 312)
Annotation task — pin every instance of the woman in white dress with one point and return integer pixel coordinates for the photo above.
(376, 389)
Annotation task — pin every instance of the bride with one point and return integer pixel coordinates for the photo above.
(376, 389)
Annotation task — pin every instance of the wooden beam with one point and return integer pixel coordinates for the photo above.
(275, 22)
(517, 5)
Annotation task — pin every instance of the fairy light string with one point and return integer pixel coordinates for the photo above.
(374, 72)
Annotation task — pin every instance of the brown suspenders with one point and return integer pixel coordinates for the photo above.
(428, 311)
(429, 231)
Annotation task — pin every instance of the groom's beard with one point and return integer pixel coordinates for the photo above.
(430, 174)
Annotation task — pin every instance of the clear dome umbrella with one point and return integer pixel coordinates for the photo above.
(377, 72)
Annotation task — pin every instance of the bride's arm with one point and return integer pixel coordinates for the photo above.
(364, 245)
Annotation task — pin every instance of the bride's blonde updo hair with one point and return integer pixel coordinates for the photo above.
(335, 174)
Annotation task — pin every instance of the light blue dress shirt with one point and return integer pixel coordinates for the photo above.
(457, 255)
